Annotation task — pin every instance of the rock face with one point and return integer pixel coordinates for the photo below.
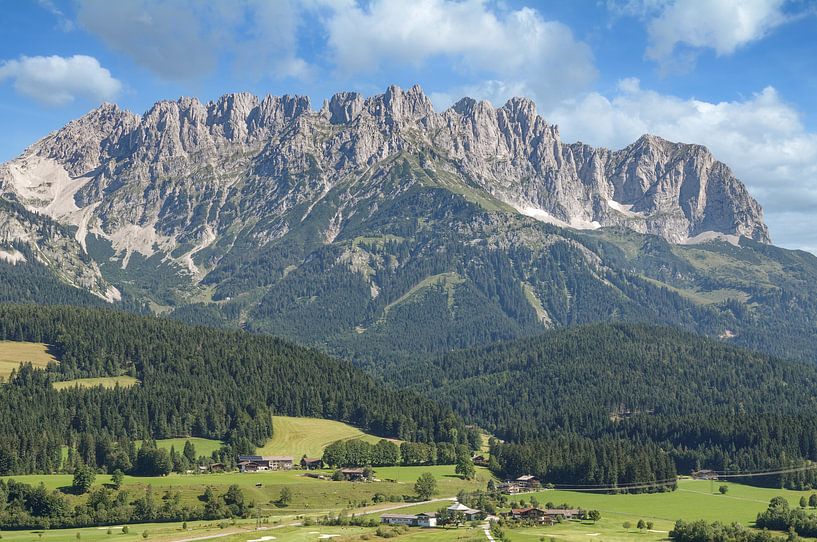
(186, 179)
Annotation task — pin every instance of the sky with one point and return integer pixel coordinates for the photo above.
(739, 76)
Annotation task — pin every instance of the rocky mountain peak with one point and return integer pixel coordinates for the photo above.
(186, 172)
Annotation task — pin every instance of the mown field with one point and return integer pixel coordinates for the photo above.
(204, 446)
(13, 353)
(299, 436)
(104, 381)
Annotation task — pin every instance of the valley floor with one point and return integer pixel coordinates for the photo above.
(313, 499)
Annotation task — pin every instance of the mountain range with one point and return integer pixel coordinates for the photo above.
(380, 229)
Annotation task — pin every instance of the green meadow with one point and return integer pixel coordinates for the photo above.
(13, 354)
(104, 381)
(308, 436)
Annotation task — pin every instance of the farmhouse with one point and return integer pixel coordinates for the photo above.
(480, 461)
(527, 482)
(536, 515)
(705, 474)
(540, 515)
(354, 475)
(418, 520)
(255, 463)
(470, 514)
(509, 488)
(311, 463)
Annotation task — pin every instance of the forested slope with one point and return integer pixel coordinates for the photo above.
(195, 381)
(575, 402)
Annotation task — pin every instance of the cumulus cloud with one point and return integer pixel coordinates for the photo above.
(185, 39)
(56, 80)
(762, 139)
(722, 26)
(504, 47)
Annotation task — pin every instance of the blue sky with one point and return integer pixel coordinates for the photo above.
(739, 76)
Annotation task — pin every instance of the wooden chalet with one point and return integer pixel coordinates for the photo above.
(354, 475)
(480, 461)
(217, 467)
(705, 474)
(543, 515)
(532, 514)
(527, 482)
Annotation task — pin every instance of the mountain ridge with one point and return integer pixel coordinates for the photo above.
(377, 228)
(677, 191)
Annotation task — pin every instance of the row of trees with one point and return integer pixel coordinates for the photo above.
(23, 506)
(384, 453)
(779, 516)
(702, 531)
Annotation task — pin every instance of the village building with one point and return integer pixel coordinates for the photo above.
(311, 463)
(354, 475)
(255, 463)
(705, 474)
(527, 482)
(417, 520)
(543, 515)
(470, 514)
(509, 488)
(532, 514)
(480, 461)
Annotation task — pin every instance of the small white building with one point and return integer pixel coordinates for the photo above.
(417, 520)
(469, 513)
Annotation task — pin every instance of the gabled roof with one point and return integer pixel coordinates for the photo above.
(397, 516)
(458, 507)
(516, 511)
(526, 478)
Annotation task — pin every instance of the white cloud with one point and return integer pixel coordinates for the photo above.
(723, 26)
(761, 138)
(186, 39)
(56, 80)
(505, 47)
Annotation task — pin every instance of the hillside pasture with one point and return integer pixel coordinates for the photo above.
(299, 436)
(14, 353)
(104, 381)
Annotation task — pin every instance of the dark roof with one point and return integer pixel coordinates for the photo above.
(312, 460)
(526, 510)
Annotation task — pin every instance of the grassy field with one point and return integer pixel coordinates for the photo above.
(299, 436)
(309, 495)
(105, 382)
(314, 498)
(204, 446)
(13, 353)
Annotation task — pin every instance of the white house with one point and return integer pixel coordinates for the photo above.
(418, 520)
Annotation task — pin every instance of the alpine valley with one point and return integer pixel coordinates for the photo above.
(379, 229)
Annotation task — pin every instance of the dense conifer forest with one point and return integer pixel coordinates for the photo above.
(617, 404)
(195, 381)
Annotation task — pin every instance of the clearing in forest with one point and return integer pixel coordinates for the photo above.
(14, 353)
(299, 436)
